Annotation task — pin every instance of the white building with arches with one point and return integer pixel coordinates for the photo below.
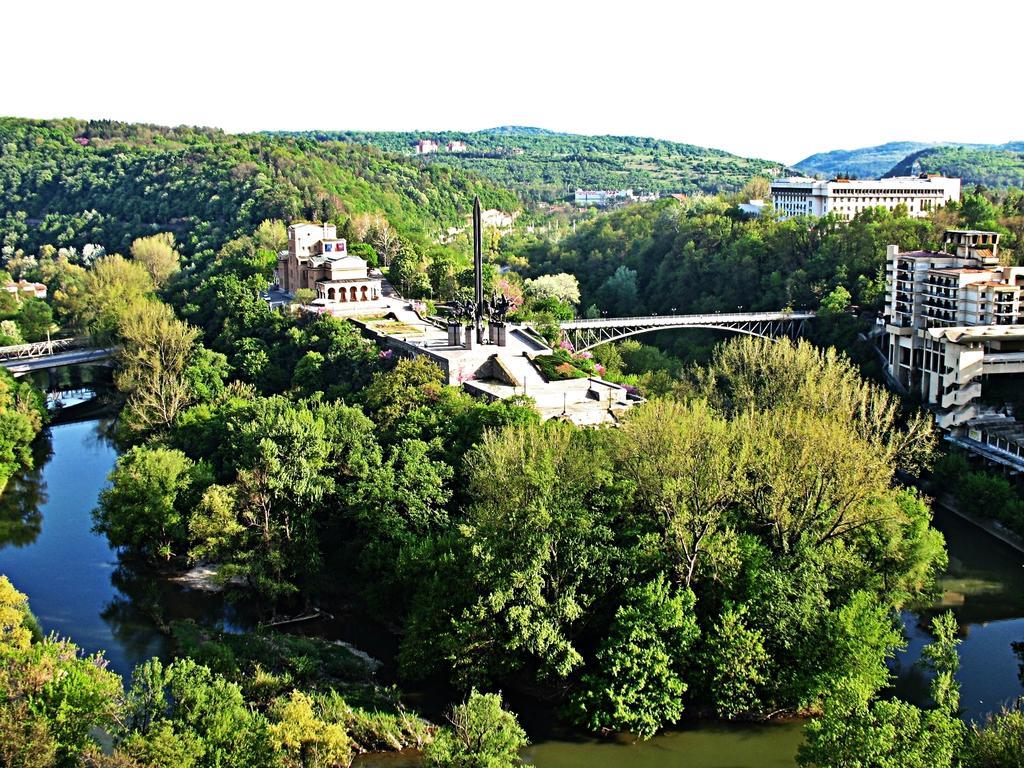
(319, 261)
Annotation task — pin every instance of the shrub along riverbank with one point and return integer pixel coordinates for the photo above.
(254, 701)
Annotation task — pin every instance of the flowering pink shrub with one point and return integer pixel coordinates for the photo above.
(385, 354)
(510, 291)
(566, 345)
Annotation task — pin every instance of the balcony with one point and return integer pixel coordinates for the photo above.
(962, 395)
(963, 376)
(1003, 362)
(959, 416)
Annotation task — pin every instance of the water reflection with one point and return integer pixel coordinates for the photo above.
(21, 505)
(701, 745)
(1018, 649)
(984, 587)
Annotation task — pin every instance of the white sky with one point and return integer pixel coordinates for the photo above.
(777, 80)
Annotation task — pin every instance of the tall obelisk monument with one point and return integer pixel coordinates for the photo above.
(478, 272)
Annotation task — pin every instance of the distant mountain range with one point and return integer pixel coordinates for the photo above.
(540, 164)
(993, 165)
(864, 163)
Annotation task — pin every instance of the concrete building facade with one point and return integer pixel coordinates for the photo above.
(24, 288)
(952, 319)
(801, 196)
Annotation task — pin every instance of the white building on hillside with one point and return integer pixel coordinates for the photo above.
(800, 196)
(601, 197)
(953, 318)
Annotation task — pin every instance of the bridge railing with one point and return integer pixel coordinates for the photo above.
(719, 317)
(43, 348)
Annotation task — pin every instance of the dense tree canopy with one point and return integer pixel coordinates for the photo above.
(545, 165)
(104, 182)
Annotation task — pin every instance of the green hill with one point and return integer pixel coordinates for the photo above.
(518, 130)
(992, 166)
(863, 163)
(543, 165)
(71, 182)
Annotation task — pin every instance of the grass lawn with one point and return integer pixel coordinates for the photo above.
(395, 328)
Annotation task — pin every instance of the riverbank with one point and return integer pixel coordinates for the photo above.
(948, 502)
(992, 527)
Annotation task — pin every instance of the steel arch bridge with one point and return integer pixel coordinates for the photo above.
(587, 334)
(53, 353)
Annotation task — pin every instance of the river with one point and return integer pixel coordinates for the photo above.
(77, 589)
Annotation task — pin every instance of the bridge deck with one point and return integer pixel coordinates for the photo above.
(586, 334)
(21, 365)
(716, 318)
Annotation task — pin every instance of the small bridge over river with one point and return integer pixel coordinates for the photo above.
(53, 353)
(587, 334)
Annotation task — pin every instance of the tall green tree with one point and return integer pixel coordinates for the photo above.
(145, 508)
(153, 359)
(681, 458)
(106, 294)
(158, 255)
(858, 730)
(638, 681)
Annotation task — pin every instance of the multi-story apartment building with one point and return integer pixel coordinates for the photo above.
(800, 196)
(953, 318)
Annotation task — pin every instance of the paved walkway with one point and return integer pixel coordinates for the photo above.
(583, 401)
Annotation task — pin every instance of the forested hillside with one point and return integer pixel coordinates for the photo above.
(702, 256)
(71, 182)
(862, 163)
(998, 167)
(544, 165)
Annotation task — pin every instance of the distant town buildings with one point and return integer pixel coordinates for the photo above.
(801, 196)
(752, 207)
(602, 197)
(426, 146)
(23, 288)
(496, 219)
(318, 260)
(953, 319)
